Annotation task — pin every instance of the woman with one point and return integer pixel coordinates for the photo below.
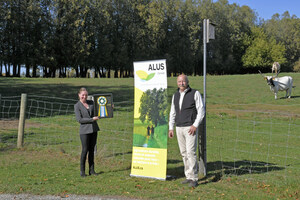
(84, 111)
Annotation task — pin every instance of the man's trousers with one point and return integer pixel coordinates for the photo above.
(188, 147)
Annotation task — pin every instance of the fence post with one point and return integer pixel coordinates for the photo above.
(22, 120)
(0, 117)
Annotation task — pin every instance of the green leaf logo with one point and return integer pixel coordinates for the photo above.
(144, 76)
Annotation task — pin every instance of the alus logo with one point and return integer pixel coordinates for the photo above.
(144, 75)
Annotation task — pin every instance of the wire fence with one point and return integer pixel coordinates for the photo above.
(51, 124)
(238, 141)
(254, 142)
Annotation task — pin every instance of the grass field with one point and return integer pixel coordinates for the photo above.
(252, 143)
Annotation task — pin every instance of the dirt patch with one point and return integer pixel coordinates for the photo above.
(14, 124)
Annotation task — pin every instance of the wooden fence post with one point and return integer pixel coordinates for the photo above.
(22, 121)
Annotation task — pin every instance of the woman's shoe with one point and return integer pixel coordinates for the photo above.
(82, 174)
(92, 171)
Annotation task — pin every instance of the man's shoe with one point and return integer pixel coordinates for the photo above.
(186, 181)
(193, 184)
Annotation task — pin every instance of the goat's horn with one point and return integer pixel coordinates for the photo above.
(277, 73)
(261, 73)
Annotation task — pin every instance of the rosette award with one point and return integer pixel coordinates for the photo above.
(103, 105)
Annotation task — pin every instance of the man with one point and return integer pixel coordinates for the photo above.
(187, 112)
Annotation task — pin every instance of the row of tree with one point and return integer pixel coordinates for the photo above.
(106, 35)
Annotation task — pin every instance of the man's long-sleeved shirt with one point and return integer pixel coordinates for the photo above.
(199, 107)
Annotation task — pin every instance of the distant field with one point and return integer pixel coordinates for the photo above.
(252, 142)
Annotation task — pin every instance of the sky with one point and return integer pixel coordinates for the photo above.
(267, 8)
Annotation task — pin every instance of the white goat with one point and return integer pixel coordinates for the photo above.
(275, 67)
(276, 84)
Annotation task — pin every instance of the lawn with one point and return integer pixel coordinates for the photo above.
(252, 142)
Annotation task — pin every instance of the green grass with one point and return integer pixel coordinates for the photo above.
(252, 143)
(140, 137)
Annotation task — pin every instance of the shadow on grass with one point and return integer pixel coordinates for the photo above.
(175, 172)
(292, 97)
(60, 88)
(62, 92)
(118, 154)
(7, 147)
(9, 137)
(8, 141)
(128, 168)
(49, 98)
(216, 170)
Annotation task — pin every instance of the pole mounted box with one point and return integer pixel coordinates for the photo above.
(210, 31)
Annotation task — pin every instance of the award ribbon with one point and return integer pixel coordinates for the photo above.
(102, 106)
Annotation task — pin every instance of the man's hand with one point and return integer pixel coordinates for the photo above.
(192, 130)
(171, 133)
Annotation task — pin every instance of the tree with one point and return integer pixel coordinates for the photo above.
(70, 36)
(153, 106)
(2, 40)
(98, 22)
(233, 25)
(110, 34)
(262, 51)
(286, 30)
(12, 38)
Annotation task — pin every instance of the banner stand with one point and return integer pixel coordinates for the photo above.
(150, 131)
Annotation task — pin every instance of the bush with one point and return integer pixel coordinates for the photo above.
(297, 66)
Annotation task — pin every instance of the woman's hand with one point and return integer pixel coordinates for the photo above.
(95, 118)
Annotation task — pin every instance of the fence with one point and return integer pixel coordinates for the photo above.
(50, 123)
(254, 142)
(239, 142)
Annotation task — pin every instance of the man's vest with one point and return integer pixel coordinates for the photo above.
(187, 114)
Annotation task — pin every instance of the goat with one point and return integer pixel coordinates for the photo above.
(275, 67)
(276, 84)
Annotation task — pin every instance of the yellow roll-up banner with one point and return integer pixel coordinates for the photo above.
(150, 132)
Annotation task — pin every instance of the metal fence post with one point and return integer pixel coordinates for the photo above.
(22, 121)
(202, 131)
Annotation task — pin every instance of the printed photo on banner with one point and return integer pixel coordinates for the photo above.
(150, 112)
(103, 104)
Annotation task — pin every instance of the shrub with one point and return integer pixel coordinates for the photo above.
(297, 66)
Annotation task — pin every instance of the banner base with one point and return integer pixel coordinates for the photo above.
(171, 177)
(133, 175)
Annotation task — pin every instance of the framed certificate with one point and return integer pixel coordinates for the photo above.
(103, 104)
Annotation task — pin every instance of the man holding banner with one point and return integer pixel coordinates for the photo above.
(187, 111)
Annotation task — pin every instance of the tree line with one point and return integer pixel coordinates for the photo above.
(109, 35)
